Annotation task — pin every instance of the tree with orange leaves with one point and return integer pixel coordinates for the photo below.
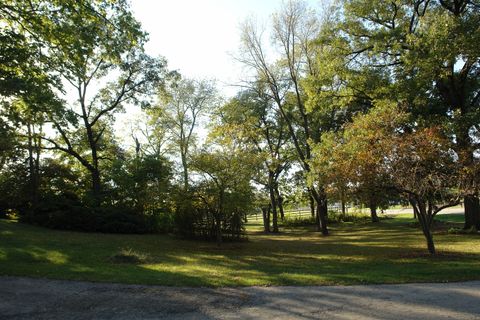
(384, 150)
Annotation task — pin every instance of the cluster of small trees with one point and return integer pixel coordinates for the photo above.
(369, 101)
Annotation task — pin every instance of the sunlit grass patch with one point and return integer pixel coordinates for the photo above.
(391, 251)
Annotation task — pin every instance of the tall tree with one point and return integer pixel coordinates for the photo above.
(96, 48)
(181, 105)
(225, 188)
(293, 29)
(251, 118)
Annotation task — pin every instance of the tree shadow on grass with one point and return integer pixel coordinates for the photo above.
(364, 254)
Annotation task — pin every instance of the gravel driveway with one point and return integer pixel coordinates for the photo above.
(24, 298)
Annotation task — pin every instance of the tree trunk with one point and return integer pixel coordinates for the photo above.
(274, 211)
(185, 170)
(425, 222)
(318, 223)
(96, 187)
(266, 219)
(279, 202)
(219, 216)
(34, 148)
(344, 211)
(31, 164)
(472, 212)
(218, 231)
(322, 211)
(373, 211)
(430, 244)
(94, 169)
(273, 201)
(312, 203)
(38, 146)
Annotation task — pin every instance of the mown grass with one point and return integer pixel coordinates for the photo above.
(389, 252)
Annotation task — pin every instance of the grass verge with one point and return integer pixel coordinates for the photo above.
(391, 251)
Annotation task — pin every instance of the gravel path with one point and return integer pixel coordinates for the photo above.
(24, 298)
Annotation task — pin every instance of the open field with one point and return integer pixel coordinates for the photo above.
(303, 212)
(389, 252)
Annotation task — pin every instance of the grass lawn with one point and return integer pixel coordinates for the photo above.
(391, 251)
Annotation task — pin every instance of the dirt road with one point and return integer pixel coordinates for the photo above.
(24, 298)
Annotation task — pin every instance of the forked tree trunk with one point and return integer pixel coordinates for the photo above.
(425, 220)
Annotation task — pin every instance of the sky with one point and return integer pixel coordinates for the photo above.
(200, 37)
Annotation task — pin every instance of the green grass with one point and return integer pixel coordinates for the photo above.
(389, 252)
(452, 218)
(457, 218)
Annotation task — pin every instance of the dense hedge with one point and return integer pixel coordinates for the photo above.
(68, 213)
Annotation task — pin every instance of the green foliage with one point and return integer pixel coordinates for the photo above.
(141, 182)
(215, 208)
(67, 212)
(13, 190)
(206, 212)
(334, 217)
(181, 106)
(379, 99)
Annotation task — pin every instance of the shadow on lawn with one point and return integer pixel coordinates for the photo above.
(360, 254)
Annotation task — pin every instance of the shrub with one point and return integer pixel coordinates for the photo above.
(333, 217)
(336, 217)
(298, 221)
(68, 213)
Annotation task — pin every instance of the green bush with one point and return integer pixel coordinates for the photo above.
(333, 217)
(292, 222)
(68, 213)
(337, 217)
